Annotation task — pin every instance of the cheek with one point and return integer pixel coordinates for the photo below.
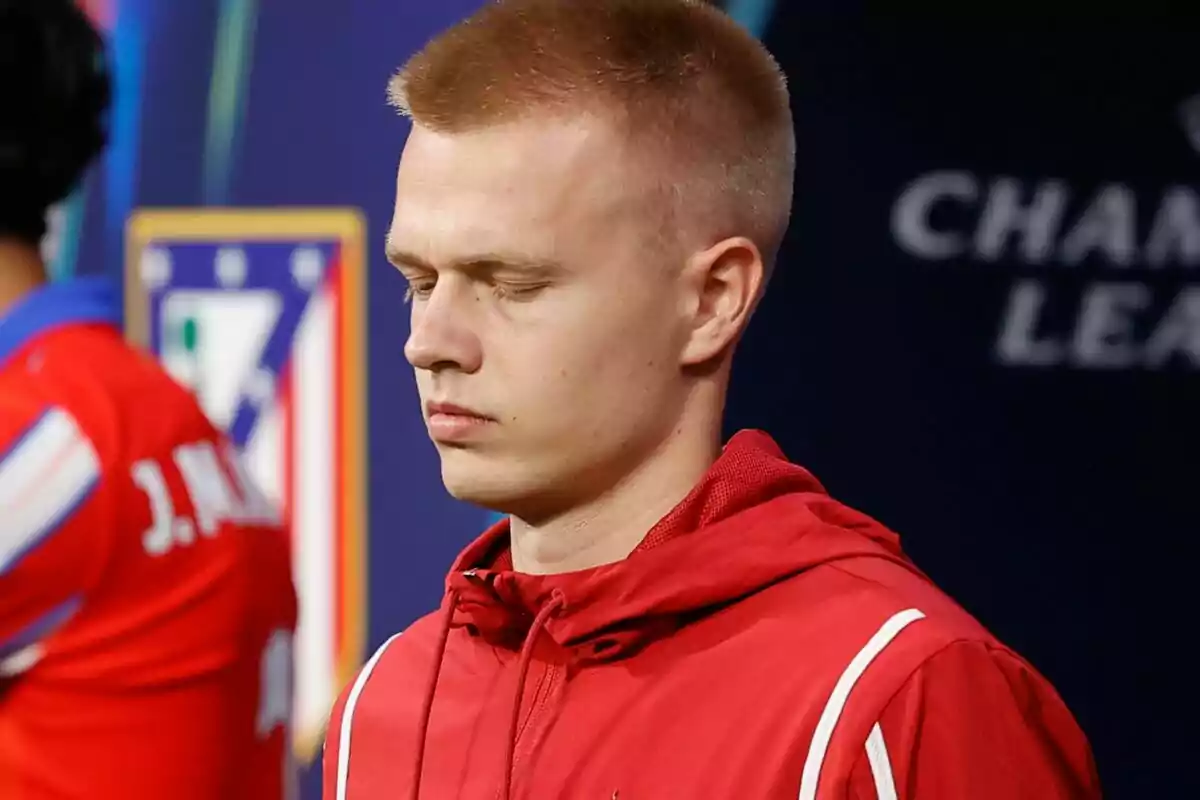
(592, 369)
(590, 351)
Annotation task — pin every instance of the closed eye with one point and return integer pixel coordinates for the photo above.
(419, 288)
(518, 291)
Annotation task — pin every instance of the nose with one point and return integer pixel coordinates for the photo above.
(441, 335)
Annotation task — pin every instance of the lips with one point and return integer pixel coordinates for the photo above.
(450, 423)
(453, 410)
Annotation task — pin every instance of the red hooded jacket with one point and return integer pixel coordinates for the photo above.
(764, 641)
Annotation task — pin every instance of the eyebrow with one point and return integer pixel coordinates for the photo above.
(477, 261)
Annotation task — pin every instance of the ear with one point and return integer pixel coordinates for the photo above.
(724, 283)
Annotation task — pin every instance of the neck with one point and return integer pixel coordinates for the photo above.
(21, 271)
(609, 528)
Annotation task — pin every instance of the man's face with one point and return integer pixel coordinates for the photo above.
(546, 329)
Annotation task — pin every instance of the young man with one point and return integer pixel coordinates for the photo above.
(146, 604)
(587, 211)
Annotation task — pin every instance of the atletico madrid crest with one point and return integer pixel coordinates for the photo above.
(261, 313)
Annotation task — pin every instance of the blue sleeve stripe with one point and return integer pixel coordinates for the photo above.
(40, 628)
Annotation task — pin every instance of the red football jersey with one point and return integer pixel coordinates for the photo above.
(146, 601)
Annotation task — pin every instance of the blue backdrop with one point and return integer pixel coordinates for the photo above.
(985, 328)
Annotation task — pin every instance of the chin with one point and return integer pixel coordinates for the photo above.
(525, 487)
(473, 481)
(505, 489)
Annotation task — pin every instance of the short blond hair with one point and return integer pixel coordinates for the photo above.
(701, 97)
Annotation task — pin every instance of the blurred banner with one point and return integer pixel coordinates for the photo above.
(985, 329)
(260, 314)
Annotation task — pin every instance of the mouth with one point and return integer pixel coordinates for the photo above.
(449, 423)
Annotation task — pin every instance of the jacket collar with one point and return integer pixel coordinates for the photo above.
(79, 301)
(753, 520)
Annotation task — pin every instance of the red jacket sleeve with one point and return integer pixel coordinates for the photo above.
(53, 525)
(975, 722)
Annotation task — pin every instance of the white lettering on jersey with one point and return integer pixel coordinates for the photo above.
(160, 536)
(275, 689)
(215, 497)
(212, 496)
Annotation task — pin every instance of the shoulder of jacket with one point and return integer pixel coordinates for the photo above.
(398, 650)
(880, 619)
(882, 586)
(52, 372)
(44, 418)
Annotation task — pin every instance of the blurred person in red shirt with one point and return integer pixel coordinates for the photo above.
(587, 210)
(146, 601)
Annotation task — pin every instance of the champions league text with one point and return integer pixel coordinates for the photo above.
(1103, 275)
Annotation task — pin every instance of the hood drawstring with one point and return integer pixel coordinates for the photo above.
(557, 601)
(439, 655)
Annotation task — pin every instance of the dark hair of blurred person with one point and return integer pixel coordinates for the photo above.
(55, 91)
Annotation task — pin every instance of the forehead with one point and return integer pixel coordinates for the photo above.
(546, 180)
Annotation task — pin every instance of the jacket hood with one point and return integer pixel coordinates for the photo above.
(754, 519)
